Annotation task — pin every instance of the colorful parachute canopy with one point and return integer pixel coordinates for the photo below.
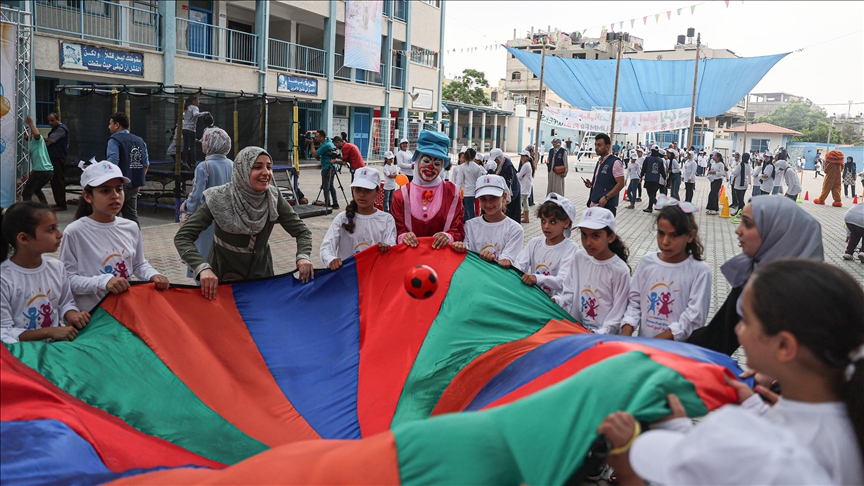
(343, 380)
(646, 85)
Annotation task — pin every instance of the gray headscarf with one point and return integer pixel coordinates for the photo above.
(787, 231)
(215, 141)
(236, 207)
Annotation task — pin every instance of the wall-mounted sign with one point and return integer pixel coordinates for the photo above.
(294, 84)
(92, 58)
(421, 99)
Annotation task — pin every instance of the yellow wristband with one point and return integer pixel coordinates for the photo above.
(626, 447)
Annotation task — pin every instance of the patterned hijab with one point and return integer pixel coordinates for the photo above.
(787, 231)
(236, 207)
(216, 141)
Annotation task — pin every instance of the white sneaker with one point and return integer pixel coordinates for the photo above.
(861, 256)
(847, 256)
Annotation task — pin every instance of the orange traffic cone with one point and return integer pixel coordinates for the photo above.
(807, 196)
(724, 212)
(625, 194)
(722, 191)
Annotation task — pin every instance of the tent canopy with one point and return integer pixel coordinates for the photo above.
(651, 85)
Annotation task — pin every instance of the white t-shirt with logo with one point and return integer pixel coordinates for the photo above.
(390, 183)
(503, 239)
(369, 230)
(767, 184)
(33, 298)
(672, 296)
(597, 292)
(547, 262)
(94, 253)
(634, 170)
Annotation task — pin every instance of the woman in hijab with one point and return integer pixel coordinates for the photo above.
(771, 228)
(244, 211)
(214, 171)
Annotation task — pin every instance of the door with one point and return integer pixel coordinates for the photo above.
(241, 47)
(361, 132)
(200, 31)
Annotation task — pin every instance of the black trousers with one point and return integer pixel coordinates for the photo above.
(58, 182)
(651, 189)
(37, 180)
(714, 196)
(854, 238)
(689, 187)
(738, 196)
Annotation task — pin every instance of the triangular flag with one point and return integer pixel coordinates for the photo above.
(621, 24)
(584, 30)
(669, 14)
(679, 11)
(657, 18)
(727, 3)
(644, 20)
(612, 27)
(692, 9)
(632, 21)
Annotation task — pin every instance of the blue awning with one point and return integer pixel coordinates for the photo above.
(651, 85)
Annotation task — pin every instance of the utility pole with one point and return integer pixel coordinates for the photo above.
(615, 95)
(540, 101)
(695, 80)
(746, 119)
(831, 128)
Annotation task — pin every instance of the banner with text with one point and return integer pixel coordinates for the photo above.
(629, 122)
(8, 130)
(92, 58)
(363, 23)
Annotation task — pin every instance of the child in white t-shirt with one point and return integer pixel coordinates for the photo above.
(361, 225)
(494, 236)
(390, 173)
(526, 178)
(671, 290)
(34, 292)
(545, 258)
(597, 282)
(101, 251)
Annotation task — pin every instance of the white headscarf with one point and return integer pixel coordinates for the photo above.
(216, 141)
(787, 231)
(236, 207)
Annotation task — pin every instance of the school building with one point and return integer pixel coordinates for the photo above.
(287, 48)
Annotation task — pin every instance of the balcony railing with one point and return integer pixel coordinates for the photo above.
(297, 58)
(362, 76)
(397, 77)
(342, 72)
(101, 20)
(206, 41)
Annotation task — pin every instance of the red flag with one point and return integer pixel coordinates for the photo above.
(669, 14)
(727, 3)
(644, 20)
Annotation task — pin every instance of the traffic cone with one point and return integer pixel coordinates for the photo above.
(722, 191)
(625, 194)
(724, 213)
(807, 196)
(855, 199)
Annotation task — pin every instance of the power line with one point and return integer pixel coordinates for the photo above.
(829, 40)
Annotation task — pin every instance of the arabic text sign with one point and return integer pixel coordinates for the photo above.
(91, 58)
(294, 84)
(625, 122)
(363, 21)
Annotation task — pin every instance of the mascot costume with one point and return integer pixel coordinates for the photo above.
(833, 180)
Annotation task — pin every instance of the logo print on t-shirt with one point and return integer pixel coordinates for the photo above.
(589, 300)
(493, 247)
(362, 246)
(660, 300)
(40, 312)
(136, 158)
(115, 264)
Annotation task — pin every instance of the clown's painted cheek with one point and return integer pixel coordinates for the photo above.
(430, 168)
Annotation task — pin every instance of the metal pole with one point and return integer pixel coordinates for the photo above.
(540, 101)
(830, 129)
(695, 79)
(615, 95)
(236, 129)
(746, 121)
(178, 155)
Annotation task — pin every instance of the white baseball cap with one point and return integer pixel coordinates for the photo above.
(495, 153)
(491, 185)
(525, 152)
(463, 149)
(490, 165)
(729, 446)
(567, 206)
(478, 156)
(661, 150)
(404, 140)
(366, 177)
(633, 154)
(101, 172)
(597, 218)
(389, 155)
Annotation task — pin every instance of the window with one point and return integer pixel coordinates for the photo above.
(533, 76)
(44, 98)
(516, 76)
(76, 4)
(580, 55)
(760, 144)
(423, 56)
(144, 12)
(434, 3)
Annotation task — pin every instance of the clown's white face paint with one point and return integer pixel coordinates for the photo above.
(429, 167)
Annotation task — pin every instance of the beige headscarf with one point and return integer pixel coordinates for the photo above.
(236, 207)
(215, 141)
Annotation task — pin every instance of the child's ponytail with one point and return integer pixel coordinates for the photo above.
(838, 341)
(84, 207)
(350, 212)
(617, 246)
(21, 217)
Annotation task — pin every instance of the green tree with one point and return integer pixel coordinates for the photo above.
(468, 89)
(850, 137)
(805, 117)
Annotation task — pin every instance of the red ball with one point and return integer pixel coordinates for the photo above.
(421, 282)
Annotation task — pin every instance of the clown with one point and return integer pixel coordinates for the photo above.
(832, 182)
(429, 206)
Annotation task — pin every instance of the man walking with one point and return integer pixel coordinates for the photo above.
(129, 152)
(58, 151)
(608, 176)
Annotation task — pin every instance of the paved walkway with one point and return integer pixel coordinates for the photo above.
(635, 227)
